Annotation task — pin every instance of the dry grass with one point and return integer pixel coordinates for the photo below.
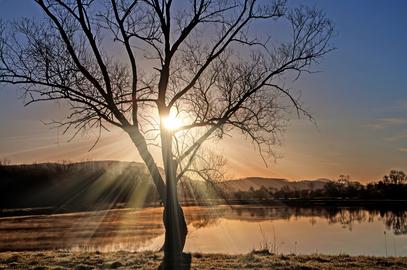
(151, 260)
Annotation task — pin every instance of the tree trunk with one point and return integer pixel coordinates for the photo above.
(173, 216)
(175, 226)
(175, 235)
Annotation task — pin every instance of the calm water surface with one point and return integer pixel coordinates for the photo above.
(221, 229)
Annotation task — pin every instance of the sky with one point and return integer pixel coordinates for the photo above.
(358, 98)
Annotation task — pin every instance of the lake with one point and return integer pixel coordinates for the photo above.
(218, 229)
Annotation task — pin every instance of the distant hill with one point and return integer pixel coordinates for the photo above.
(245, 184)
(76, 186)
(107, 184)
(88, 186)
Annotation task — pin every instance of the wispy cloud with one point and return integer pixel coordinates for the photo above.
(381, 123)
(396, 137)
(374, 126)
(393, 121)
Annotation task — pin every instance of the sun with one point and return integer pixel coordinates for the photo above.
(171, 122)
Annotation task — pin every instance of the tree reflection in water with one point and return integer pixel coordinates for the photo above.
(395, 220)
(129, 229)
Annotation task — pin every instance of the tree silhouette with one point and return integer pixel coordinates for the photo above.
(134, 64)
(395, 177)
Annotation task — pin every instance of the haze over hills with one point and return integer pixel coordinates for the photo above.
(138, 168)
(83, 185)
(232, 184)
(104, 184)
(245, 184)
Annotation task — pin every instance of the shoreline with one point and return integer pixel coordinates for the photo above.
(296, 203)
(60, 260)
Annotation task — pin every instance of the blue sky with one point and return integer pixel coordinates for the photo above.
(359, 100)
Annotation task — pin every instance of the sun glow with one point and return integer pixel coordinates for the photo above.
(171, 122)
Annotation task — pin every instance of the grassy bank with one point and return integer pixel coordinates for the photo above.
(150, 260)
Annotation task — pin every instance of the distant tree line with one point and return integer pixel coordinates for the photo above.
(392, 187)
(110, 184)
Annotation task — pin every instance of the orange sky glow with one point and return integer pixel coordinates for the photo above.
(359, 101)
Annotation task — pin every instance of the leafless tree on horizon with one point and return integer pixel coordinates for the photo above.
(218, 65)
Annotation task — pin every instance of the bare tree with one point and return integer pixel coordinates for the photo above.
(395, 177)
(133, 64)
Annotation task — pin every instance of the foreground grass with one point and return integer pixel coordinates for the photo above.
(48, 260)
